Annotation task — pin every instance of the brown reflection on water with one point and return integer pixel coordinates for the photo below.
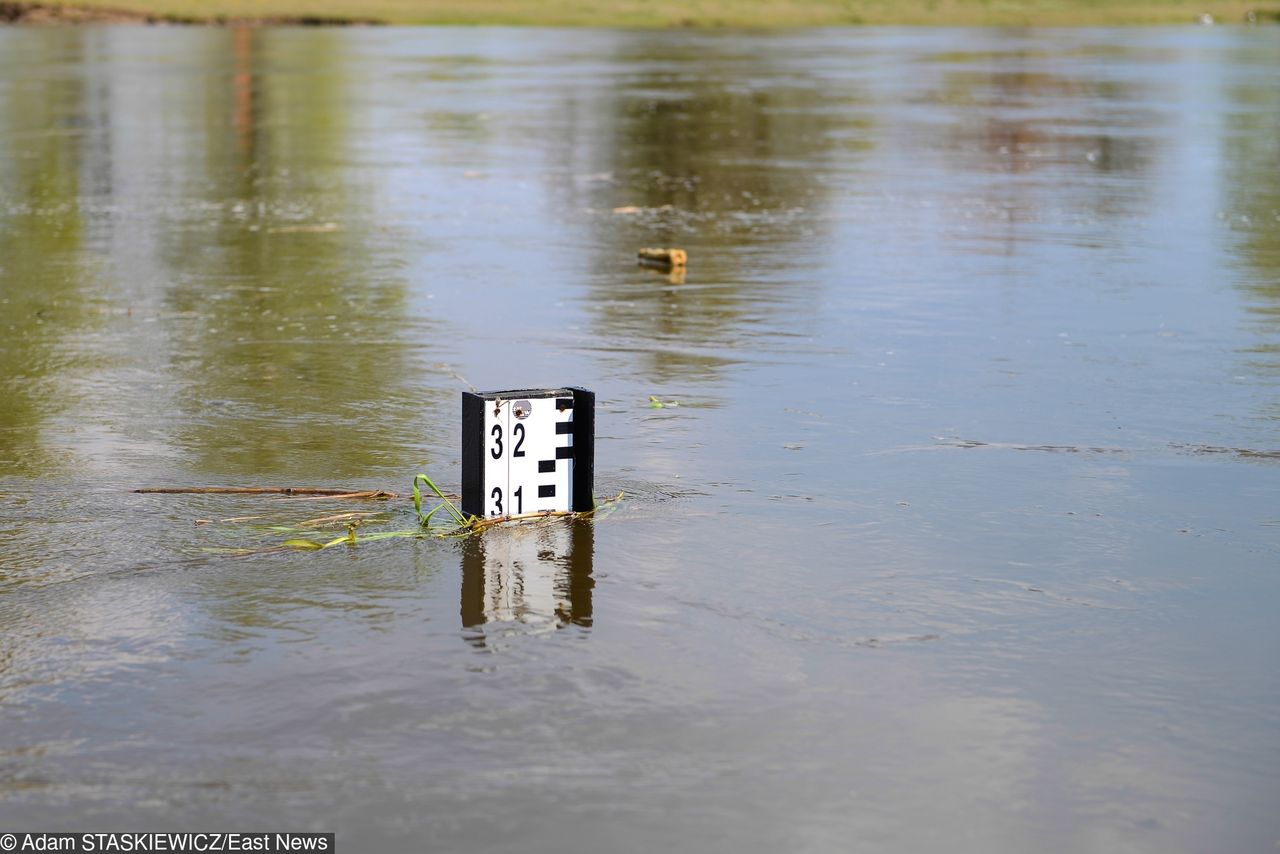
(1012, 117)
(730, 163)
(45, 160)
(300, 349)
(538, 575)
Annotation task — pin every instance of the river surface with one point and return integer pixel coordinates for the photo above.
(963, 536)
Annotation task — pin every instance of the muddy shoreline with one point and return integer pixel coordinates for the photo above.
(57, 14)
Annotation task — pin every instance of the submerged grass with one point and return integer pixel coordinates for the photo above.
(425, 518)
(686, 13)
(462, 525)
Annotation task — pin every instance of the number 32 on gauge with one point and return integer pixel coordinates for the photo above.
(496, 452)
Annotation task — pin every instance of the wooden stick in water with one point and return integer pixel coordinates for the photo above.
(266, 490)
(373, 493)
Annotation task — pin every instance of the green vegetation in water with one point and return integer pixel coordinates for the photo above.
(463, 525)
(675, 13)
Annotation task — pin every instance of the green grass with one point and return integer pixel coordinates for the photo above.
(715, 13)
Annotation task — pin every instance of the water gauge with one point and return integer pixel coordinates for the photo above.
(527, 451)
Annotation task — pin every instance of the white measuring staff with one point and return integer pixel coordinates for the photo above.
(527, 451)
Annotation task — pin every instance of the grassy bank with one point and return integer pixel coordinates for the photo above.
(673, 13)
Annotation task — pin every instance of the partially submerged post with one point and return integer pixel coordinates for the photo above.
(663, 259)
(527, 451)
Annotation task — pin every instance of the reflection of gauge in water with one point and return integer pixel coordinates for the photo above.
(521, 409)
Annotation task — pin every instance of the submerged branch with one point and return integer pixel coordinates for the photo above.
(268, 490)
(463, 525)
(374, 493)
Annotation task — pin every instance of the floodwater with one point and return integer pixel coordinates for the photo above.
(964, 535)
